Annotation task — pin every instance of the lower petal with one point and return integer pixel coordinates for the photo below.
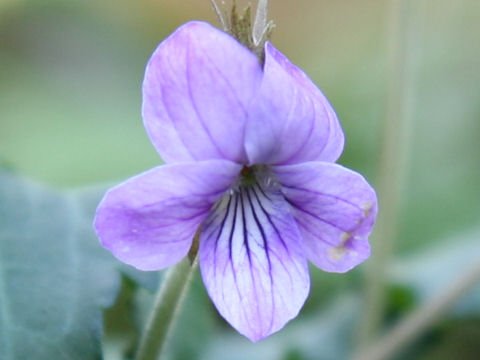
(149, 220)
(252, 263)
(335, 209)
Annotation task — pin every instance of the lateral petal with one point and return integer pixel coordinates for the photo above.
(335, 209)
(149, 220)
(252, 263)
(198, 85)
(290, 120)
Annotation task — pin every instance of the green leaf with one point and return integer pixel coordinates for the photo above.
(55, 278)
(121, 333)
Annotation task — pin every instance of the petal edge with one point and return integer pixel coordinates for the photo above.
(197, 87)
(149, 220)
(335, 209)
(290, 121)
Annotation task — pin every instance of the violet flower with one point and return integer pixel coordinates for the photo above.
(249, 152)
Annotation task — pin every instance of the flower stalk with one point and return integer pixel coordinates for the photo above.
(166, 309)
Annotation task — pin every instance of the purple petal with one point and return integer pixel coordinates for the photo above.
(251, 261)
(149, 221)
(335, 209)
(197, 87)
(291, 121)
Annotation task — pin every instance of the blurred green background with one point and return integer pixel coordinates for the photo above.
(70, 78)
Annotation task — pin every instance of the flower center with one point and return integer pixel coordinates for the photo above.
(247, 176)
(253, 175)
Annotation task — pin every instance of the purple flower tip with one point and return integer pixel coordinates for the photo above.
(250, 154)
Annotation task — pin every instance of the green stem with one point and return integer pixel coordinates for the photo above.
(167, 306)
(392, 171)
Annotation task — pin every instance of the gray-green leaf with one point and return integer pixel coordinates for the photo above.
(55, 278)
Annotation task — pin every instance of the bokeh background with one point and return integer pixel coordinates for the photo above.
(70, 78)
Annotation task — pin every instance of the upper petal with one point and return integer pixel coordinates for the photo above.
(335, 209)
(198, 85)
(290, 121)
(252, 263)
(149, 220)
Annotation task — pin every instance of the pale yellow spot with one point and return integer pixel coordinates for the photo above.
(366, 208)
(337, 253)
(344, 237)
